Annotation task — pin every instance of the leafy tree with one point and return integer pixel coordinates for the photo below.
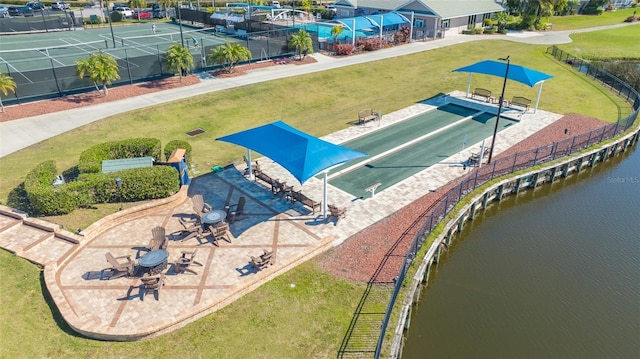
(306, 5)
(302, 42)
(502, 18)
(138, 4)
(102, 68)
(229, 55)
(336, 31)
(6, 84)
(179, 59)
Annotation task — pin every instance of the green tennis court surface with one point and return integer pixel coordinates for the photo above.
(398, 165)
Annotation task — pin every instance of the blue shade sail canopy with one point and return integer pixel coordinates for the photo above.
(303, 155)
(518, 73)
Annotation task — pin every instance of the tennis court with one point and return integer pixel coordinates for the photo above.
(28, 52)
(411, 146)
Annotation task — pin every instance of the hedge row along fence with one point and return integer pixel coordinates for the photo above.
(92, 186)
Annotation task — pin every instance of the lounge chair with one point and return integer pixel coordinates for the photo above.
(151, 285)
(236, 210)
(119, 268)
(185, 261)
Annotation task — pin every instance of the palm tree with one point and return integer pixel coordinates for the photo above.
(336, 31)
(137, 4)
(102, 68)
(302, 42)
(6, 84)
(179, 59)
(229, 55)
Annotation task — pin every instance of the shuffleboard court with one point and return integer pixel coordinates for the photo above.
(390, 137)
(401, 164)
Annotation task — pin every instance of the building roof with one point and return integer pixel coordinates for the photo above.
(444, 9)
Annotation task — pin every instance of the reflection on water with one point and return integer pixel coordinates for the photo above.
(551, 273)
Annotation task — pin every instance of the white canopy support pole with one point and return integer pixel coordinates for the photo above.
(381, 24)
(469, 84)
(538, 98)
(324, 196)
(249, 164)
(411, 27)
(353, 33)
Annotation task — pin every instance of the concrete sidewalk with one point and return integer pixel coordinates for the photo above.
(18, 134)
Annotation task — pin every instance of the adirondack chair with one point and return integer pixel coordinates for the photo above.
(184, 262)
(190, 228)
(119, 268)
(220, 231)
(151, 284)
(236, 210)
(199, 205)
(158, 240)
(337, 212)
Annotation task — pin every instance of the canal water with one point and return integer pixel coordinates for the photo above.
(550, 273)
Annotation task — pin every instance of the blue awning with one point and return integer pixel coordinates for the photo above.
(373, 21)
(518, 73)
(303, 155)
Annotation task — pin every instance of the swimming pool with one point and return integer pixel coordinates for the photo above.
(324, 31)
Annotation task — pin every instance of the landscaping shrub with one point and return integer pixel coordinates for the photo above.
(371, 44)
(138, 184)
(172, 145)
(47, 199)
(402, 36)
(115, 16)
(344, 49)
(91, 159)
(490, 30)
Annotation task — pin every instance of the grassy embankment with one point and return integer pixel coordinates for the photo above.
(310, 319)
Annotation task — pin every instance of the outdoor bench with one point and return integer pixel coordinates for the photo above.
(265, 178)
(298, 196)
(520, 101)
(367, 115)
(480, 92)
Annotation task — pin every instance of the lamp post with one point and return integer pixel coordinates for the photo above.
(119, 185)
(180, 22)
(111, 26)
(495, 129)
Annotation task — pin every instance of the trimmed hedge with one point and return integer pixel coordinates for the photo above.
(172, 145)
(138, 184)
(91, 159)
(47, 199)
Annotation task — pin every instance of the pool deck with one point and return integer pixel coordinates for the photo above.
(113, 309)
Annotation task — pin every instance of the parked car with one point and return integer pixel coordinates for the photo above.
(60, 5)
(143, 15)
(115, 6)
(4, 11)
(126, 12)
(36, 5)
(20, 11)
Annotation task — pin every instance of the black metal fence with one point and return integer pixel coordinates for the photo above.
(516, 162)
(59, 80)
(41, 22)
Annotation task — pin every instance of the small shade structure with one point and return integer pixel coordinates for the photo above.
(518, 73)
(303, 155)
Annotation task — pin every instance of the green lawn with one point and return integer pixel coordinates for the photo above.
(591, 45)
(584, 21)
(276, 320)
(307, 320)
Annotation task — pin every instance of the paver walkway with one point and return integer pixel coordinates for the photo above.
(113, 309)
